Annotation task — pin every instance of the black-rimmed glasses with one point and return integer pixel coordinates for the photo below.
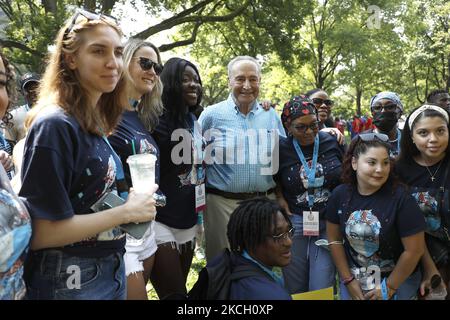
(319, 101)
(389, 107)
(146, 64)
(89, 15)
(285, 235)
(371, 136)
(302, 128)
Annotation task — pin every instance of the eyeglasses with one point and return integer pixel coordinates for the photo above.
(389, 107)
(371, 136)
(303, 127)
(146, 64)
(284, 236)
(89, 15)
(319, 101)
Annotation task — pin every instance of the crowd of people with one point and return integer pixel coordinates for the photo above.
(278, 191)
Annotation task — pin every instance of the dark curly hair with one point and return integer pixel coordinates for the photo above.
(251, 222)
(357, 148)
(10, 89)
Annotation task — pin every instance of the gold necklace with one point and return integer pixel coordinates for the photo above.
(433, 175)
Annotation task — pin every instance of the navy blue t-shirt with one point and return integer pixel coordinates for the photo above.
(131, 131)
(176, 179)
(428, 195)
(65, 171)
(292, 177)
(372, 226)
(256, 287)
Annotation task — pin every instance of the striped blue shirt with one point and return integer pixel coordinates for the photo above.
(242, 154)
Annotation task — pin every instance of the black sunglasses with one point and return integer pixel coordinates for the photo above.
(89, 15)
(303, 127)
(389, 107)
(319, 101)
(372, 136)
(146, 64)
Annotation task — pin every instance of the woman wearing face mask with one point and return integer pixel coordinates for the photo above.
(142, 66)
(423, 164)
(386, 109)
(375, 228)
(175, 225)
(68, 166)
(310, 168)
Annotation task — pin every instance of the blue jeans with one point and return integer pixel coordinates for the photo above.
(311, 266)
(407, 290)
(54, 275)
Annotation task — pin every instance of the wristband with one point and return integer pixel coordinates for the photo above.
(347, 281)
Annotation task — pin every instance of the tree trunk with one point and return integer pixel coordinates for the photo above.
(359, 93)
(49, 6)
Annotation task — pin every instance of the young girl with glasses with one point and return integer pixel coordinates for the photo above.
(374, 226)
(68, 166)
(142, 65)
(424, 166)
(307, 149)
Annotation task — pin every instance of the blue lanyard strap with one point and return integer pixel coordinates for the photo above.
(277, 278)
(399, 136)
(133, 103)
(310, 171)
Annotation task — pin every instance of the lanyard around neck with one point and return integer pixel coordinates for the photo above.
(267, 270)
(310, 171)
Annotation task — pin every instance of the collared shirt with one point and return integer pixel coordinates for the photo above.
(242, 154)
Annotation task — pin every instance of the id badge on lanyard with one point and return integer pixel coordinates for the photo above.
(310, 218)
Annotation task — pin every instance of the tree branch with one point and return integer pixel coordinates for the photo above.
(20, 46)
(191, 40)
(182, 18)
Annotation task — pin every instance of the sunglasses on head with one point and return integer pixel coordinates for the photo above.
(319, 101)
(388, 107)
(372, 136)
(303, 127)
(90, 16)
(146, 64)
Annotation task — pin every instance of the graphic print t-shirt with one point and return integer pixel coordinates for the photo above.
(372, 226)
(131, 131)
(428, 195)
(65, 171)
(178, 179)
(294, 180)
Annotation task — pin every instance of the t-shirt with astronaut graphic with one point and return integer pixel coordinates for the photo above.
(428, 194)
(65, 171)
(372, 226)
(293, 178)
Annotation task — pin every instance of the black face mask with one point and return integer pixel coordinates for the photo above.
(385, 121)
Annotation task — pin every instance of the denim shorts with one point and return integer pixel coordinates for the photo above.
(55, 275)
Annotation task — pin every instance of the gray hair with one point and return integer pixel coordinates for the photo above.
(243, 58)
